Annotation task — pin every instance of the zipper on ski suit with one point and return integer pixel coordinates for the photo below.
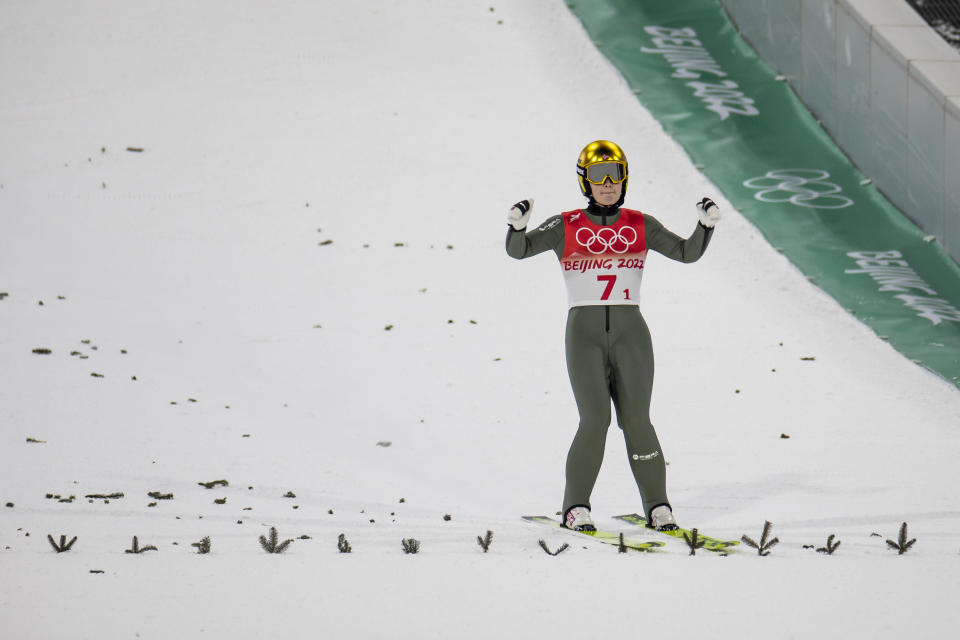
(606, 308)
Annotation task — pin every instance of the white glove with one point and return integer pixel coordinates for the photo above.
(519, 214)
(709, 212)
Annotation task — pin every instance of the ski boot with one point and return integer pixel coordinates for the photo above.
(578, 519)
(661, 518)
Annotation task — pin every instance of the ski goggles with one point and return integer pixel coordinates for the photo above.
(599, 173)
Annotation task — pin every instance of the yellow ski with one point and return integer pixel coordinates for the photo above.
(711, 544)
(601, 536)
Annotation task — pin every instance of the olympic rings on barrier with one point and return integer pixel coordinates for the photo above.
(606, 239)
(802, 187)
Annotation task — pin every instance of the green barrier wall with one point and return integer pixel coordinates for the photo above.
(756, 140)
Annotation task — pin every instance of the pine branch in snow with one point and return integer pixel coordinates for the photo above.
(343, 545)
(410, 545)
(273, 545)
(693, 541)
(137, 549)
(764, 547)
(485, 541)
(831, 546)
(902, 545)
(64, 545)
(203, 546)
(563, 547)
(214, 483)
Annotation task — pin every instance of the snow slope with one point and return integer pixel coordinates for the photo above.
(231, 339)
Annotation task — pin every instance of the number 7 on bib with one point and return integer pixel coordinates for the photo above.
(611, 283)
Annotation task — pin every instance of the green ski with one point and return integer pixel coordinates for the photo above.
(601, 536)
(711, 544)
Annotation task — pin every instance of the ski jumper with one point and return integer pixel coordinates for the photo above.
(608, 350)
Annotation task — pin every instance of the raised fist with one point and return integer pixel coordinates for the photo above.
(709, 212)
(519, 214)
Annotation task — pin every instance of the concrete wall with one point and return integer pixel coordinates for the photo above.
(883, 84)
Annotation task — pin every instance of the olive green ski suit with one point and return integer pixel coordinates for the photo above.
(610, 357)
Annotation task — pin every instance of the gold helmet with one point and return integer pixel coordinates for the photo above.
(600, 161)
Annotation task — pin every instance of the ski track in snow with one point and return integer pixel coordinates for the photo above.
(313, 173)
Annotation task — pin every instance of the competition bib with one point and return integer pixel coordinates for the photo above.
(603, 265)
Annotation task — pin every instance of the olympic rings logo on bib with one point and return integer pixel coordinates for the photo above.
(606, 239)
